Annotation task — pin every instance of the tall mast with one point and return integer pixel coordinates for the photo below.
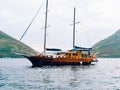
(74, 28)
(45, 26)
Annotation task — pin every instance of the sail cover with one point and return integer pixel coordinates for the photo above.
(77, 48)
(53, 49)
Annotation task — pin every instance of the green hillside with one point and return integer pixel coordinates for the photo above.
(109, 47)
(8, 44)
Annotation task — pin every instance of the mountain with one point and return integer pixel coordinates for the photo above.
(8, 44)
(109, 47)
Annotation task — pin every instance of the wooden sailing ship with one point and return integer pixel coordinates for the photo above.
(75, 56)
(71, 57)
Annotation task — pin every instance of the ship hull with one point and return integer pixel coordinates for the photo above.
(37, 61)
(43, 60)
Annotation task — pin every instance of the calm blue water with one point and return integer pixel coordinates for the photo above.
(17, 74)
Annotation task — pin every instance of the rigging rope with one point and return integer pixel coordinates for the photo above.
(31, 21)
(18, 43)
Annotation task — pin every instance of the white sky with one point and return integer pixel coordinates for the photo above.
(99, 19)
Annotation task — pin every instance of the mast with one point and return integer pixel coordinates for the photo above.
(74, 27)
(45, 26)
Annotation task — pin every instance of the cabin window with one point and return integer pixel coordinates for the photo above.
(75, 54)
(69, 54)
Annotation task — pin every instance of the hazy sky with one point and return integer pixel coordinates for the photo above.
(99, 19)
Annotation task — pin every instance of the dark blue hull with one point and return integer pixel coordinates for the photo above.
(37, 63)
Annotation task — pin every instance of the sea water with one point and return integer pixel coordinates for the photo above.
(18, 74)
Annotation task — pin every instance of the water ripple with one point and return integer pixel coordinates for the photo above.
(17, 74)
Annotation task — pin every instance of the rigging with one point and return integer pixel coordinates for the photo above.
(31, 21)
